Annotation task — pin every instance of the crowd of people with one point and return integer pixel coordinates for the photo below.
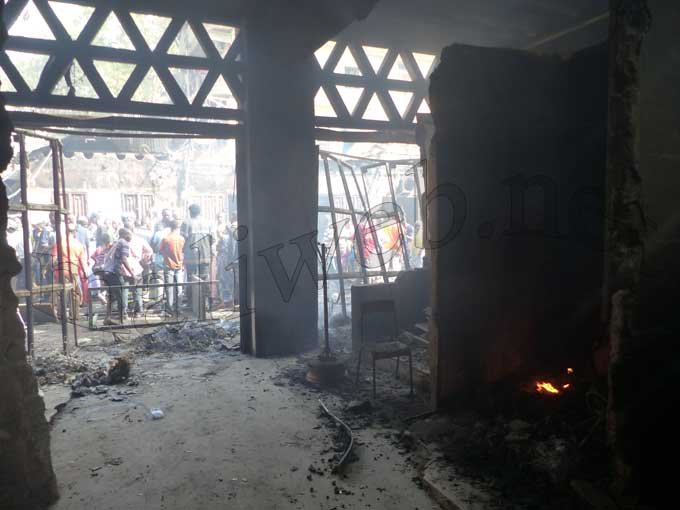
(109, 259)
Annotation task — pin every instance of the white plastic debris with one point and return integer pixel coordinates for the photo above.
(157, 414)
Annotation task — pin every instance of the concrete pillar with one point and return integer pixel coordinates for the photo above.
(278, 194)
(26, 477)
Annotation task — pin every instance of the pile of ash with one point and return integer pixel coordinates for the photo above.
(58, 368)
(191, 336)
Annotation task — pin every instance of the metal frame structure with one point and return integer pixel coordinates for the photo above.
(61, 213)
(360, 166)
(374, 83)
(64, 52)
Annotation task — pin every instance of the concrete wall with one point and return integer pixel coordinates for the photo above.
(410, 295)
(660, 164)
(519, 155)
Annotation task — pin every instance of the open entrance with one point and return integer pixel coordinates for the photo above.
(371, 218)
(121, 232)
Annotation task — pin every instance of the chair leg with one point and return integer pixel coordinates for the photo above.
(410, 371)
(396, 374)
(373, 377)
(356, 378)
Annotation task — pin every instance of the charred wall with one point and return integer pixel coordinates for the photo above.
(26, 477)
(516, 208)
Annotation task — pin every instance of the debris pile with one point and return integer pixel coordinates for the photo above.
(58, 368)
(191, 336)
(116, 371)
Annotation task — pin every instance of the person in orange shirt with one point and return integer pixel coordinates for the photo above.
(172, 249)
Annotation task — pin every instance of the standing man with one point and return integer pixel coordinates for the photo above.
(74, 266)
(172, 249)
(199, 247)
(166, 216)
(118, 266)
(44, 242)
(83, 234)
(140, 259)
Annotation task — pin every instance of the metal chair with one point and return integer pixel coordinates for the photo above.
(384, 349)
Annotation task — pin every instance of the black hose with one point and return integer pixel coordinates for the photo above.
(350, 444)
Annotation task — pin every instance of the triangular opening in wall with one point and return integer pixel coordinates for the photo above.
(5, 83)
(376, 56)
(350, 96)
(399, 71)
(222, 36)
(112, 35)
(189, 80)
(186, 43)
(322, 106)
(29, 65)
(424, 107)
(151, 26)
(31, 23)
(81, 83)
(374, 110)
(114, 74)
(424, 61)
(401, 100)
(347, 64)
(73, 17)
(151, 90)
(61, 88)
(221, 96)
(324, 52)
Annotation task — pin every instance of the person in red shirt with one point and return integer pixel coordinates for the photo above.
(172, 249)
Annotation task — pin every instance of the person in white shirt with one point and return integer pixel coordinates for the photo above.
(140, 259)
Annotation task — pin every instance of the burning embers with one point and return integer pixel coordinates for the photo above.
(554, 388)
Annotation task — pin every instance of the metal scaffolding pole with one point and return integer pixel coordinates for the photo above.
(75, 311)
(60, 256)
(336, 238)
(407, 265)
(25, 225)
(371, 225)
(357, 235)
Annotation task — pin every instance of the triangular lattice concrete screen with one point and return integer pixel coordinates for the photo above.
(108, 58)
(366, 86)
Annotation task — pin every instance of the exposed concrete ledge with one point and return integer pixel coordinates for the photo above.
(454, 492)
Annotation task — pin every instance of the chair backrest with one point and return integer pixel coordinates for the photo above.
(379, 306)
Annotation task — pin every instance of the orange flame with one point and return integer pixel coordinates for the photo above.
(546, 387)
(570, 370)
(566, 386)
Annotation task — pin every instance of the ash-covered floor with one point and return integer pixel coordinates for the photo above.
(237, 432)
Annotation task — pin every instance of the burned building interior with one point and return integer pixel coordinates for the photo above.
(315, 254)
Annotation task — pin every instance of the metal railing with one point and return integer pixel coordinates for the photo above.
(158, 305)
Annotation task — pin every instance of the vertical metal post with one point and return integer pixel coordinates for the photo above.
(175, 291)
(407, 265)
(419, 209)
(60, 255)
(336, 237)
(358, 238)
(25, 226)
(376, 241)
(327, 347)
(68, 242)
(90, 309)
